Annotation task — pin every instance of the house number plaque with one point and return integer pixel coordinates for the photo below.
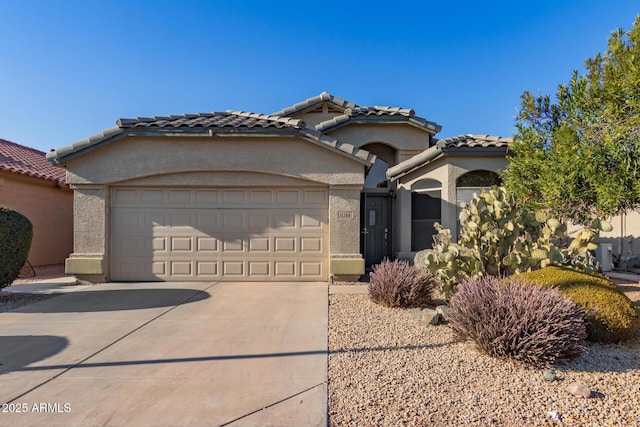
(345, 215)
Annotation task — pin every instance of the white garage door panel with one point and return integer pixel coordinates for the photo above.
(221, 234)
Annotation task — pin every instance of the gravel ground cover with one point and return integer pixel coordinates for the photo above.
(12, 301)
(386, 369)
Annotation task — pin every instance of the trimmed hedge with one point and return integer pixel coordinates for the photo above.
(610, 315)
(16, 232)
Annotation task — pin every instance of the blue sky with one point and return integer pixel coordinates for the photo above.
(69, 69)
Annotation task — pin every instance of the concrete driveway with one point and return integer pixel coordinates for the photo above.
(168, 354)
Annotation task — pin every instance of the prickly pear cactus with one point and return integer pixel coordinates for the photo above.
(497, 237)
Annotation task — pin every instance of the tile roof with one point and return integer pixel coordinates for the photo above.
(209, 124)
(380, 111)
(28, 161)
(226, 119)
(485, 144)
(379, 115)
(314, 101)
(474, 141)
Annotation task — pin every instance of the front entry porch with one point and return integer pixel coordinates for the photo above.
(376, 221)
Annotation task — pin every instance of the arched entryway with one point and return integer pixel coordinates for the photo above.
(426, 210)
(376, 216)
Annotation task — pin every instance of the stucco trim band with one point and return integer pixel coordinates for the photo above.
(81, 265)
(346, 266)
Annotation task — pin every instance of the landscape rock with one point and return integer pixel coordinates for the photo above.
(578, 389)
(416, 313)
(549, 375)
(430, 317)
(426, 316)
(443, 311)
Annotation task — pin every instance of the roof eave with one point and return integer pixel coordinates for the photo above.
(436, 152)
(58, 157)
(466, 151)
(333, 124)
(313, 102)
(403, 168)
(61, 155)
(344, 149)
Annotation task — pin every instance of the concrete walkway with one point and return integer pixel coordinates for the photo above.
(168, 354)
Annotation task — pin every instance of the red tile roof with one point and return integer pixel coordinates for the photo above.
(28, 161)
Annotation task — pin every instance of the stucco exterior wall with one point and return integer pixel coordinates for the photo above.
(136, 157)
(198, 161)
(315, 117)
(445, 170)
(407, 139)
(625, 236)
(50, 210)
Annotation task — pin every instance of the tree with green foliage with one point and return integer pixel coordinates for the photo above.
(580, 155)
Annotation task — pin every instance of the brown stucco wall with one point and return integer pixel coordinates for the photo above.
(50, 210)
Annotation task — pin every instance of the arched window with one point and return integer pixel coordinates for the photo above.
(478, 179)
(473, 182)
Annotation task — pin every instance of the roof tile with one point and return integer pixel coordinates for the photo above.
(225, 119)
(313, 101)
(28, 161)
(494, 144)
(382, 114)
(472, 140)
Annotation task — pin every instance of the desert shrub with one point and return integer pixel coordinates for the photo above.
(499, 237)
(399, 284)
(16, 233)
(511, 319)
(609, 314)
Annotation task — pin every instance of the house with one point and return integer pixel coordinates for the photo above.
(324, 188)
(31, 185)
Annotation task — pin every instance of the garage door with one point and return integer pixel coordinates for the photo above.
(219, 234)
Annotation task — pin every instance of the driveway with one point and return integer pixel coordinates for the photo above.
(168, 354)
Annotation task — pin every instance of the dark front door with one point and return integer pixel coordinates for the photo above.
(376, 228)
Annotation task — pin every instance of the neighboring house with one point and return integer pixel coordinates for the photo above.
(34, 187)
(324, 188)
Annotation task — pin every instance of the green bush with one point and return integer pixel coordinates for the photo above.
(16, 233)
(609, 314)
(512, 319)
(399, 284)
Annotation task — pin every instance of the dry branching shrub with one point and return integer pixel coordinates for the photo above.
(399, 284)
(514, 320)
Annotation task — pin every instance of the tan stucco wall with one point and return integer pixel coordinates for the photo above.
(406, 139)
(313, 118)
(625, 236)
(211, 162)
(445, 170)
(50, 210)
(136, 157)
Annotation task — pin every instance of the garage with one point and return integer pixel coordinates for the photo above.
(209, 234)
(219, 196)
